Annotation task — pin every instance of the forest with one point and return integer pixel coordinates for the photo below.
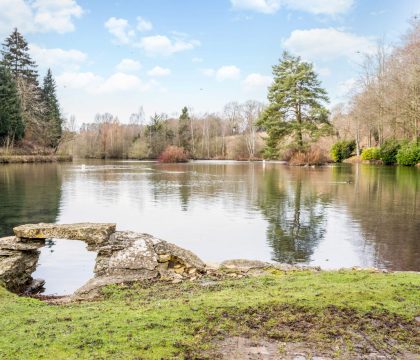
(379, 122)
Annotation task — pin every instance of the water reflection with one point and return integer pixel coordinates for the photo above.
(332, 216)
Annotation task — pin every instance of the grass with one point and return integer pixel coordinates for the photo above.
(167, 321)
(12, 159)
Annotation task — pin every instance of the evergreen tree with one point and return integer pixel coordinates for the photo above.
(11, 124)
(184, 132)
(16, 57)
(295, 104)
(52, 113)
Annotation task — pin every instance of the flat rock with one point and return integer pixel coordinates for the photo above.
(244, 265)
(15, 243)
(92, 233)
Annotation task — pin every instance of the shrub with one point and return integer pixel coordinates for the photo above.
(372, 153)
(313, 156)
(388, 151)
(342, 150)
(409, 154)
(173, 154)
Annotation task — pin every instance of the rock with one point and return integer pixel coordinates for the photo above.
(244, 265)
(93, 234)
(15, 243)
(16, 268)
(36, 286)
(129, 252)
(179, 255)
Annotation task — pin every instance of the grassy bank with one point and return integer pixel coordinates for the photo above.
(343, 314)
(14, 159)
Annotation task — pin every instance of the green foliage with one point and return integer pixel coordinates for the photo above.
(184, 131)
(389, 151)
(295, 108)
(52, 114)
(17, 59)
(342, 150)
(11, 123)
(372, 153)
(409, 154)
(163, 321)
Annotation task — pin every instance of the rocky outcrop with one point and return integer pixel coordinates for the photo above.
(92, 234)
(123, 256)
(18, 259)
(130, 257)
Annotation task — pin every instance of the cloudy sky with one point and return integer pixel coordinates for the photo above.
(115, 56)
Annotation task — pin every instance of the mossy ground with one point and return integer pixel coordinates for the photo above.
(341, 312)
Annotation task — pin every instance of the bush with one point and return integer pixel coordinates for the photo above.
(342, 150)
(388, 151)
(409, 155)
(372, 153)
(313, 156)
(173, 154)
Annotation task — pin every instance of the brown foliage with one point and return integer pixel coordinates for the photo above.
(313, 156)
(173, 154)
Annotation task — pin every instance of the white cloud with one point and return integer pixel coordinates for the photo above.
(95, 84)
(120, 29)
(197, 60)
(128, 65)
(143, 24)
(323, 71)
(256, 81)
(228, 72)
(38, 15)
(56, 15)
(57, 57)
(326, 44)
(162, 45)
(328, 7)
(158, 71)
(78, 80)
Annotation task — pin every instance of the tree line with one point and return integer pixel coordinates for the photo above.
(231, 134)
(29, 111)
(385, 102)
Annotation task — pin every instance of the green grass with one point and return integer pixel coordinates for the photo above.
(177, 321)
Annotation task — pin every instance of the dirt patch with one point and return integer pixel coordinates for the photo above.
(292, 332)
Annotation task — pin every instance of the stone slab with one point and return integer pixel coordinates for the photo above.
(91, 233)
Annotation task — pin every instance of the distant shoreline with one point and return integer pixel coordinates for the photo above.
(23, 159)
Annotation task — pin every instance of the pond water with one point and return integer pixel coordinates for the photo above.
(334, 216)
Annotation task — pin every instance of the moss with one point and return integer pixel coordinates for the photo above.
(178, 321)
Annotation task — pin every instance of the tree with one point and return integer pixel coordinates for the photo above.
(184, 130)
(295, 104)
(52, 113)
(16, 57)
(11, 124)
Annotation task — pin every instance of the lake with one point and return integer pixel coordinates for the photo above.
(334, 216)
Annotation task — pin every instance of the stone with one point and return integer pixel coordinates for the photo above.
(244, 265)
(91, 233)
(164, 258)
(15, 243)
(185, 257)
(16, 268)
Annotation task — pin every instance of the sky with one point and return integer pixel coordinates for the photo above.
(116, 56)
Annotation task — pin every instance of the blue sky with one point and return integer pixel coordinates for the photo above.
(115, 56)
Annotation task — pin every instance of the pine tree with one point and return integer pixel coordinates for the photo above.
(16, 57)
(11, 124)
(295, 104)
(184, 132)
(52, 113)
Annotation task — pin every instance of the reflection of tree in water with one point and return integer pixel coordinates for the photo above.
(296, 217)
(29, 193)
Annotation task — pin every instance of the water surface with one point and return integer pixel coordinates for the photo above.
(335, 216)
